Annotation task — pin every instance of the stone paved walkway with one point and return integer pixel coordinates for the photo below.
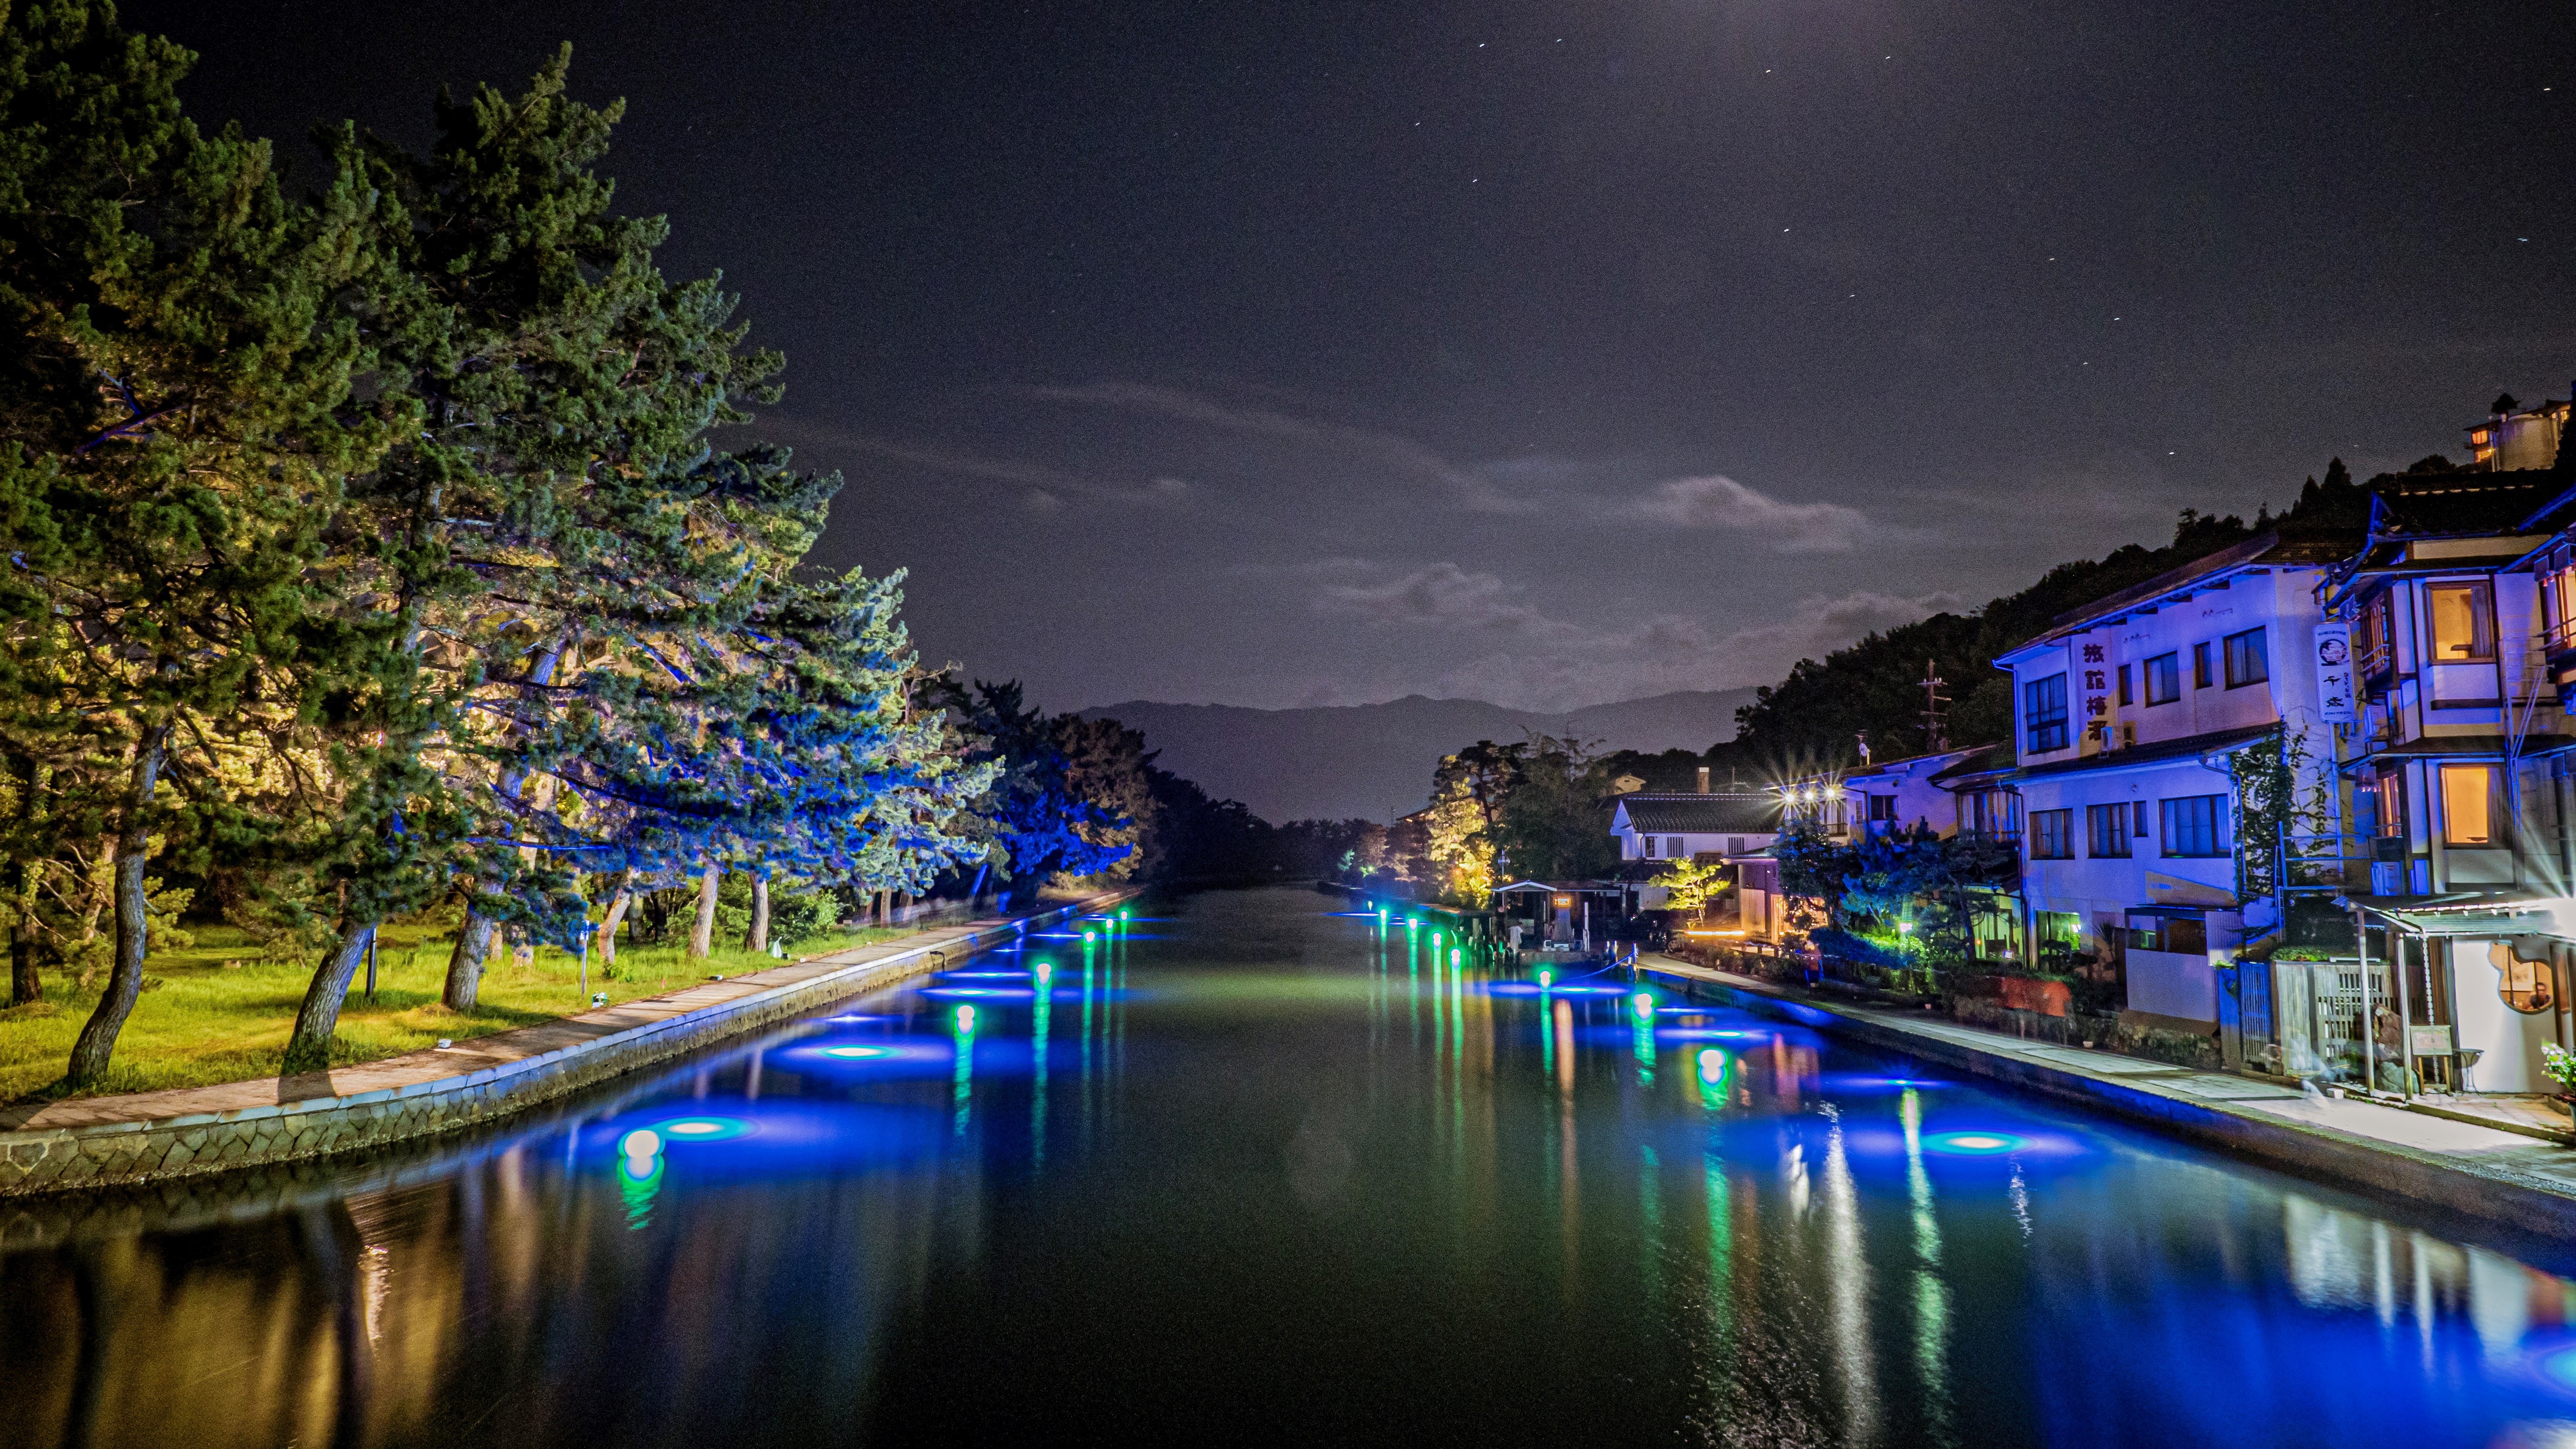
(2485, 1157)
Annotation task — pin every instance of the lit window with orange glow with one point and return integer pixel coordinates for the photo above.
(2471, 809)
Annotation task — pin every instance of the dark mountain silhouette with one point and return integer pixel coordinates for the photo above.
(1375, 760)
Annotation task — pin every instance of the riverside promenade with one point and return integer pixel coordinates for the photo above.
(2486, 1172)
(147, 1137)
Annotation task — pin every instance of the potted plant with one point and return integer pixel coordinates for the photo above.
(2560, 1065)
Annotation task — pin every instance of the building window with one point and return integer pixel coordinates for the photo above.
(2200, 677)
(2139, 810)
(2391, 795)
(2463, 622)
(2052, 835)
(2472, 805)
(2247, 661)
(1675, 848)
(1735, 845)
(2125, 699)
(2560, 593)
(2044, 713)
(2524, 985)
(2196, 825)
(2106, 830)
(1882, 807)
(2164, 678)
(1649, 843)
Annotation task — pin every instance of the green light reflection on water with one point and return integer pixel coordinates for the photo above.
(1038, 1065)
(639, 1180)
(1931, 1294)
(965, 1048)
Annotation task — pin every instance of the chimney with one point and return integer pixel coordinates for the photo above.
(1703, 775)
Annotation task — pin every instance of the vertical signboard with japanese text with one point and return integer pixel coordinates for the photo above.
(2334, 673)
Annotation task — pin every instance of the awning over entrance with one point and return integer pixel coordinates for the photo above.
(2483, 916)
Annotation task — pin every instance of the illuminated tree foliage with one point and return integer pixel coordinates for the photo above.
(374, 544)
(175, 440)
(1037, 820)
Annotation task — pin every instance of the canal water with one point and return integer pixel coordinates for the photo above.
(1243, 1170)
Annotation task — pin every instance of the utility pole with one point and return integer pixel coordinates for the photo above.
(1935, 739)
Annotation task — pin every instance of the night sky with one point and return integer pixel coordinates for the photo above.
(1293, 354)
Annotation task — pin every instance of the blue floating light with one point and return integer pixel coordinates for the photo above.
(700, 1129)
(1972, 1144)
(2556, 1367)
(858, 1053)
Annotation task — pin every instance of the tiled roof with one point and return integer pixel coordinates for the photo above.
(1905, 764)
(2280, 546)
(2161, 752)
(1979, 760)
(2460, 502)
(1702, 814)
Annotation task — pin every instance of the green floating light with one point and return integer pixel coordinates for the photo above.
(1546, 979)
(1644, 1001)
(965, 1018)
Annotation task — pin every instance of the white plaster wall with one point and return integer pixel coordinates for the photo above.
(2511, 1040)
(2173, 983)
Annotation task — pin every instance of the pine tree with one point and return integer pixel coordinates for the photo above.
(567, 522)
(162, 534)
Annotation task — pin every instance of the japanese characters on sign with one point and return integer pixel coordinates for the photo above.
(2334, 673)
(2097, 697)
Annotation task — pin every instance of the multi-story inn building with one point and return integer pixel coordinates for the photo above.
(2458, 760)
(2128, 714)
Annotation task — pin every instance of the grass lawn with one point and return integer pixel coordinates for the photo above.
(222, 1015)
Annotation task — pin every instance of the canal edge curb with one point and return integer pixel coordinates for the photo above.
(2493, 1192)
(145, 1150)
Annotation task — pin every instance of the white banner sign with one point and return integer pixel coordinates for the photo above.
(2334, 673)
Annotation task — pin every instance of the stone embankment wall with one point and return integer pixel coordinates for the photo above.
(166, 1135)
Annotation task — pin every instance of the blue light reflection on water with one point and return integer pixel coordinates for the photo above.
(1752, 1232)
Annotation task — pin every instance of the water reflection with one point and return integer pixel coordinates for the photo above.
(1262, 1172)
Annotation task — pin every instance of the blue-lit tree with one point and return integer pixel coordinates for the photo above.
(1035, 816)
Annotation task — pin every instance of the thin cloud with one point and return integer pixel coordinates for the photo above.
(1393, 451)
(1039, 481)
(1444, 595)
(1715, 501)
(1540, 662)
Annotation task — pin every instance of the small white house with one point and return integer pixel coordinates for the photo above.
(1682, 827)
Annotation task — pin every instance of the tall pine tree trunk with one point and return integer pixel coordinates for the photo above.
(133, 842)
(758, 939)
(617, 905)
(702, 935)
(474, 941)
(465, 963)
(24, 983)
(309, 1048)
